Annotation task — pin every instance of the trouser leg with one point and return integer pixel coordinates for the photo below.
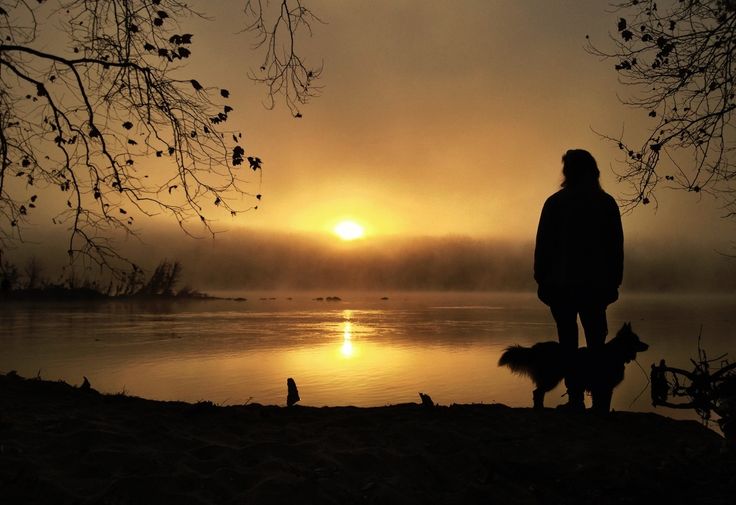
(602, 399)
(566, 318)
(595, 326)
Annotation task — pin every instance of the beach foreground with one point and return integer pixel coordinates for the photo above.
(61, 444)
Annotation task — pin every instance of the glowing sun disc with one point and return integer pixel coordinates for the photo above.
(348, 230)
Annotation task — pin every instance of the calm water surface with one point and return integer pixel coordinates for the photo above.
(358, 351)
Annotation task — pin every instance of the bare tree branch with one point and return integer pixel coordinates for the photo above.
(283, 71)
(104, 120)
(678, 57)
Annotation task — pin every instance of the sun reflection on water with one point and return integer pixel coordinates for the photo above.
(347, 343)
(347, 350)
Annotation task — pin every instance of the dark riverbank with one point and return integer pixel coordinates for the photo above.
(60, 294)
(60, 444)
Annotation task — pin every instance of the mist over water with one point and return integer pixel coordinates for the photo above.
(250, 260)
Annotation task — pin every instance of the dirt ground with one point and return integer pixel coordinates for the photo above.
(65, 445)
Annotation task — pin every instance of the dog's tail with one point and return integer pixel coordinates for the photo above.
(519, 359)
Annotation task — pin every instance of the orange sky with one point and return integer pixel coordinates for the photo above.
(437, 118)
(443, 118)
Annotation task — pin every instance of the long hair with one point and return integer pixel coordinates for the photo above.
(580, 170)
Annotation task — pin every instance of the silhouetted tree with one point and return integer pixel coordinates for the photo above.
(163, 279)
(33, 273)
(678, 56)
(130, 283)
(96, 106)
(8, 277)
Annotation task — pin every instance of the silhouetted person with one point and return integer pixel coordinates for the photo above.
(578, 261)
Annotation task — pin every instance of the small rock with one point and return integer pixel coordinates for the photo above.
(292, 395)
(426, 400)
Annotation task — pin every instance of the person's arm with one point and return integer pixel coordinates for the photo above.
(617, 244)
(542, 245)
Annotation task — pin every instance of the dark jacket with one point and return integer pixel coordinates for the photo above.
(579, 254)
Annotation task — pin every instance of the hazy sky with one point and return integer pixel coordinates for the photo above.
(438, 118)
(443, 118)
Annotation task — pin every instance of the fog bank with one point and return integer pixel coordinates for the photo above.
(244, 260)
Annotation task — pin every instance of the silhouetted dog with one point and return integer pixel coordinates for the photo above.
(598, 372)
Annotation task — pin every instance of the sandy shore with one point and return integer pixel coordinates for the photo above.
(63, 445)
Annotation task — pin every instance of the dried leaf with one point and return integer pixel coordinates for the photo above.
(238, 153)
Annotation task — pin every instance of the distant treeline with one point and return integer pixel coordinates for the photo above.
(430, 263)
(246, 260)
(30, 283)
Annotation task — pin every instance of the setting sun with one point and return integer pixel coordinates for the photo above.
(348, 230)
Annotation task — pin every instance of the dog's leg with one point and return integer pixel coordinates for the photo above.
(538, 395)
